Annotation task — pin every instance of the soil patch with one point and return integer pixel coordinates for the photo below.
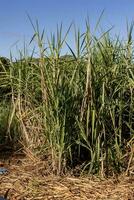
(28, 180)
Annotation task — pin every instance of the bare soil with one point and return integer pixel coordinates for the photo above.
(28, 179)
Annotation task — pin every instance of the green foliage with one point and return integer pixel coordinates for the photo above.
(76, 109)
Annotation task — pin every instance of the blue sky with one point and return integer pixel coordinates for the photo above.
(15, 26)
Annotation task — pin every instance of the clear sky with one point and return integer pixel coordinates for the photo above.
(15, 26)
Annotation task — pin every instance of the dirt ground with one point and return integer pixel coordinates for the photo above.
(28, 180)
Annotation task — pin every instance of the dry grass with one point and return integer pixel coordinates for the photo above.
(32, 180)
